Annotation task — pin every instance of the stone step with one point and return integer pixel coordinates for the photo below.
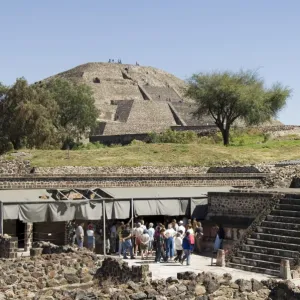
(278, 231)
(273, 244)
(256, 263)
(283, 219)
(261, 256)
(291, 207)
(270, 251)
(276, 238)
(290, 201)
(254, 269)
(288, 226)
(285, 213)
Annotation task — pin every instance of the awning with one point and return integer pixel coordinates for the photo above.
(160, 207)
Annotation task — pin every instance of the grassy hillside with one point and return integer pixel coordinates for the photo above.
(247, 147)
(196, 154)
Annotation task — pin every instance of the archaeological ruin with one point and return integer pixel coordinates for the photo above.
(135, 100)
(258, 205)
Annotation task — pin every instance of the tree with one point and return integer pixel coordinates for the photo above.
(3, 90)
(27, 115)
(228, 96)
(77, 111)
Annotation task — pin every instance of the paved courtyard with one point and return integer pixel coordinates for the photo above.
(198, 264)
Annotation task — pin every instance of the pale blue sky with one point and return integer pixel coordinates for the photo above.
(42, 38)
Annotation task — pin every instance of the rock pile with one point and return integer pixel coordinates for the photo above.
(80, 276)
(205, 286)
(119, 271)
(49, 248)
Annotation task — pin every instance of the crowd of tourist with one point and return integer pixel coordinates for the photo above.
(163, 243)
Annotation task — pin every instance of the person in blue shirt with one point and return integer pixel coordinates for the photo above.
(187, 247)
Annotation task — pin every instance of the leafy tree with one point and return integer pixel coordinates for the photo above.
(45, 115)
(228, 96)
(3, 90)
(77, 111)
(27, 114)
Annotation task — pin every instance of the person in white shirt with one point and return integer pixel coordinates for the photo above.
(80, 235)
(143, 225)
(174, 225)
(90, 237)
(169, 235)
(181, 227)
(151, 238)
(178, 247)
(144, 244)
(138, 233)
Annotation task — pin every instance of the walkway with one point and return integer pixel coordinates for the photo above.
(198, 264)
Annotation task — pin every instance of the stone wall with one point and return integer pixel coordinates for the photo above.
(85, 181)
(24, 277)
(14, 167)
(237, 204)
(8, 247)
(282, 177)
(144, 170)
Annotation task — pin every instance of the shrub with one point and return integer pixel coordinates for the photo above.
(5, 145)
(266, 137)
(137, 142)
(172, 136)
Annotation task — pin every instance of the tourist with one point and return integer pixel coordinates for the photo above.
(198, 236)
(192, 236)
(186, 246)
(143, 226)
(119, 232)
(174, 225)
(151, 232)
(80, 235)
(219, 238)
(113, 238)
(138, 233)
(169, 241)
(181, 227)
(178, 247)
(194, 224)
(90, 237)
(144, 244)
(160, 246)
(126, 242)
(107, 244)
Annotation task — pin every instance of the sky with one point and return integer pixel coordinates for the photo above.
(41, 38)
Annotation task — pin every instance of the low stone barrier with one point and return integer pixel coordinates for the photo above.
(8, 247)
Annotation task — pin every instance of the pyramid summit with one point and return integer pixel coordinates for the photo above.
(134, 99)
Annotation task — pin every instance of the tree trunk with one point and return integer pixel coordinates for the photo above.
(225, 135)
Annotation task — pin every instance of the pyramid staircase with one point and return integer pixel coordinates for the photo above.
(276, 237)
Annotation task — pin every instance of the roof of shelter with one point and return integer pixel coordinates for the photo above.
(24, 196)
(156, 192)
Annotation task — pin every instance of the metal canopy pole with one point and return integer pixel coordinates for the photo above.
(1, 218)
(190, 212)
(132, 214)
(104, 227)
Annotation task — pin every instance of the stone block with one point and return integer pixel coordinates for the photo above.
(36, 251)
(285, 270)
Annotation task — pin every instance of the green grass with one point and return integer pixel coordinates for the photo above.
(251, 150)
